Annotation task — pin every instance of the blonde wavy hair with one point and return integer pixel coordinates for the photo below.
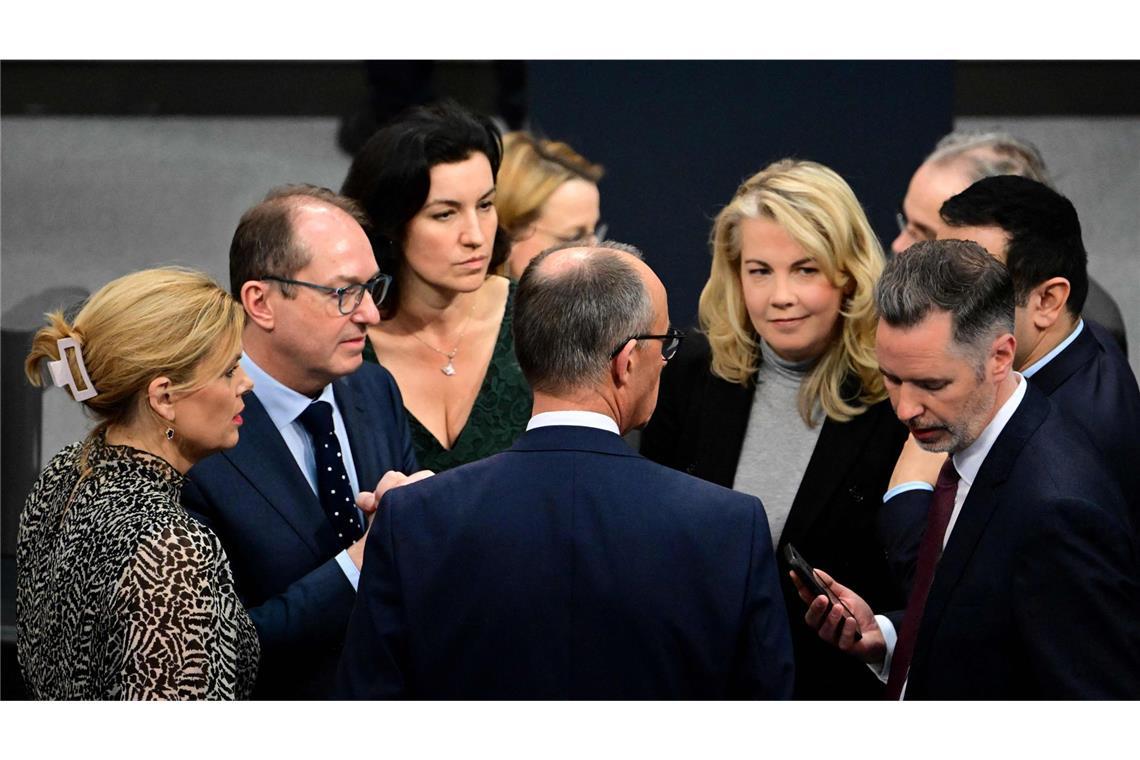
(532, 169)
(820, 212)
(168, 321)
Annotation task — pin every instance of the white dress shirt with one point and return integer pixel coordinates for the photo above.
(575, 418)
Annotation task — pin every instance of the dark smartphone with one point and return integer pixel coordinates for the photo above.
(807, 576)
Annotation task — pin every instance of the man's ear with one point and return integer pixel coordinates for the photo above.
(1002, 352)
(621, 366)
(160, 398)
(1048, 301)
(255, 301)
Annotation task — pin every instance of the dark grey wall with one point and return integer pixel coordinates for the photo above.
(677, 137)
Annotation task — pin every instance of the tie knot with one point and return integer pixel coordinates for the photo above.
(948, 476)
(317, 418)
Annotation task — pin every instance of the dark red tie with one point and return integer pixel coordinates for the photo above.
(929, 552)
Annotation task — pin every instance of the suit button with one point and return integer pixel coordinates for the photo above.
(691, 467)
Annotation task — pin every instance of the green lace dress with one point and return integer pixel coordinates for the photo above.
(498, 417)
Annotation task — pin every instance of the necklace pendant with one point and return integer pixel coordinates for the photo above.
(448, 369)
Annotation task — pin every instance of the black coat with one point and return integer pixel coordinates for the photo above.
(699, 427)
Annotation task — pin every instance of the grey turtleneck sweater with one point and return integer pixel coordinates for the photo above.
(777, 444)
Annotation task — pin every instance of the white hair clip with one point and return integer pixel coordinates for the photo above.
(61, 375)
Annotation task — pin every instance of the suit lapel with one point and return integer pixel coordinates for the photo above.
(979, 507)
(839, 446)
(1076, 355)
(724, 411)
(262, 457)
(365, 454)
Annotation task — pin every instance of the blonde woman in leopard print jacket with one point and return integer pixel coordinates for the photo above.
(120, 594)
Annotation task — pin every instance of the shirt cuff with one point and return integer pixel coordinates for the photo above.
(349, 568)
(910, 485)
(890, 638)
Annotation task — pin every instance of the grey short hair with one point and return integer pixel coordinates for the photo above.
(566, 324)
(991, 154)
(956, 276)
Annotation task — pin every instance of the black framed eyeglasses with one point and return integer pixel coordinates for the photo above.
(348, 297)
(670, 342)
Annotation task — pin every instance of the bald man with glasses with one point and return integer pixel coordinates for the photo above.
(568, 566)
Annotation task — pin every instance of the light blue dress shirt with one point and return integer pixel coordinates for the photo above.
(284, 405)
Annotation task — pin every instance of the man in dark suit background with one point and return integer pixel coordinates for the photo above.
(1027, 583)
(569, 566)
(303, 268)
(1036, 233)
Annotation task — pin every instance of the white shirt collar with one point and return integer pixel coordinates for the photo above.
(1034, 368)
(576, 418)
(282, 404)
(968, 461)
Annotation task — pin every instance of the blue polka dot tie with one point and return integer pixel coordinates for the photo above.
(333, 486)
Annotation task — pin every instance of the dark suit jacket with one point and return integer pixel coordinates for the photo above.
(1102, 309)
(567, 567)
(1091, 383)
(1037, 594)
(279, 542)
(699, 427)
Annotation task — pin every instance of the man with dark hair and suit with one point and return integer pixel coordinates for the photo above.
(319, 430)
(1027, 584)
(957, 161)
(1035, 232)
(569, 566)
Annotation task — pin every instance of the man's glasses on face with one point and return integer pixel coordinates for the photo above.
(348, 297)
(670, 342)
(906, 227)
(598, 235)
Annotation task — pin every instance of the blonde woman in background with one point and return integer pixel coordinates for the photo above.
(781, 397)
(547, 195)
(120, 594)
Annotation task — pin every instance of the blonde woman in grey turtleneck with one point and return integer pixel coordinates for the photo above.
(779, 395)
(777, 437)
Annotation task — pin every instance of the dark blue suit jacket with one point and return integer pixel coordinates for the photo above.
(568, 567)
(1092, 384)
(1037, 594)
(279, 542)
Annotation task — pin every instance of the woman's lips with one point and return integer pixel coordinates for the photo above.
(787, 321)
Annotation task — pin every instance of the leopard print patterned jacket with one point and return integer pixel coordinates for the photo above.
(122, 595)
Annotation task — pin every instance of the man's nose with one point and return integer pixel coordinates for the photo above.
(908, 406)
(902, 242)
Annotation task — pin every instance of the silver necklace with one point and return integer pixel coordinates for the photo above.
(449, 368)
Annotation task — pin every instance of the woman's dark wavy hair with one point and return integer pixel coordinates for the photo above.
(390, 176)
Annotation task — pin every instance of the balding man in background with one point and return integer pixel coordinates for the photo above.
(569, 566)
(962, 158)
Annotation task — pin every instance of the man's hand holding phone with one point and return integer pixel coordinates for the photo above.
(838, 614)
